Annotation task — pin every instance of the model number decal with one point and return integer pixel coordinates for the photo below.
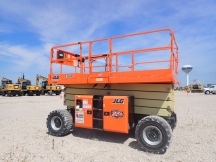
(116, 113)
(119, 101)
(68, 76)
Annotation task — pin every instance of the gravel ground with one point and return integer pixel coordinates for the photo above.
(24, 135)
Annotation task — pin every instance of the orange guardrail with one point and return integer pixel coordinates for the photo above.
(84, 71)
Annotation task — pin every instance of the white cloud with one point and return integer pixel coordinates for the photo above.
(66, 22)
(23, 56)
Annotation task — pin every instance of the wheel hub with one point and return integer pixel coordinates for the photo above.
(152, 135)
(56, 123)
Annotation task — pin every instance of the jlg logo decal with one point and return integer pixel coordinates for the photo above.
(118, 101)
(56, 77)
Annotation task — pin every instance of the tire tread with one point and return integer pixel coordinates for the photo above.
(163, 123)
(67, 122)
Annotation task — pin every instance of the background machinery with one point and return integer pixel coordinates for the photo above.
(27, 88)
(0, 90)
(10, 89)
(107, 98)
(198, 87)
(48, 88)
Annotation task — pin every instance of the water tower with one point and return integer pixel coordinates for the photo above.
(187, 69)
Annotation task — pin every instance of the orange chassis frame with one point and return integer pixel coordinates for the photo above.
(168, 75)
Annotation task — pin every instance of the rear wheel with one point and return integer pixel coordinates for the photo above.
(154, 134)
(59, 122)
(30, 94)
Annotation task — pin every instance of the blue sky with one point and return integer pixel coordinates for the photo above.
(28, 29)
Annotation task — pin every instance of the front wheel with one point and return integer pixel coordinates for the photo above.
(154, 134)
(59, 122)
(207, 92)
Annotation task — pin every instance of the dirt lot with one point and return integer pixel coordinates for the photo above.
(24, 135)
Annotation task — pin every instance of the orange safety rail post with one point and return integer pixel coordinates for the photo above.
(109, 75)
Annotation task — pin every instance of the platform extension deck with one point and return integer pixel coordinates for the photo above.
(83, 66)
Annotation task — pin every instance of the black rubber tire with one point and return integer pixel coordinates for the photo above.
(158, 123)
(30, 94)
(207, 92)
(66, 122)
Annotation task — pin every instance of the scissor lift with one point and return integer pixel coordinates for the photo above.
(112, 99)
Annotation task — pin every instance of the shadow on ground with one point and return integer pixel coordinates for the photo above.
(102, 135)
(111, 137)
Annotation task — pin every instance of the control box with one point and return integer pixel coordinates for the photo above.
(83, 111)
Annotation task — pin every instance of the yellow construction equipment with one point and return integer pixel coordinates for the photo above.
(10, 89)
(198, 87)
(48, 88)
(29, 89)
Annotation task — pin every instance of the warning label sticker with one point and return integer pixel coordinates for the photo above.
(79, 117)
(85, 102)
(87, 106)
